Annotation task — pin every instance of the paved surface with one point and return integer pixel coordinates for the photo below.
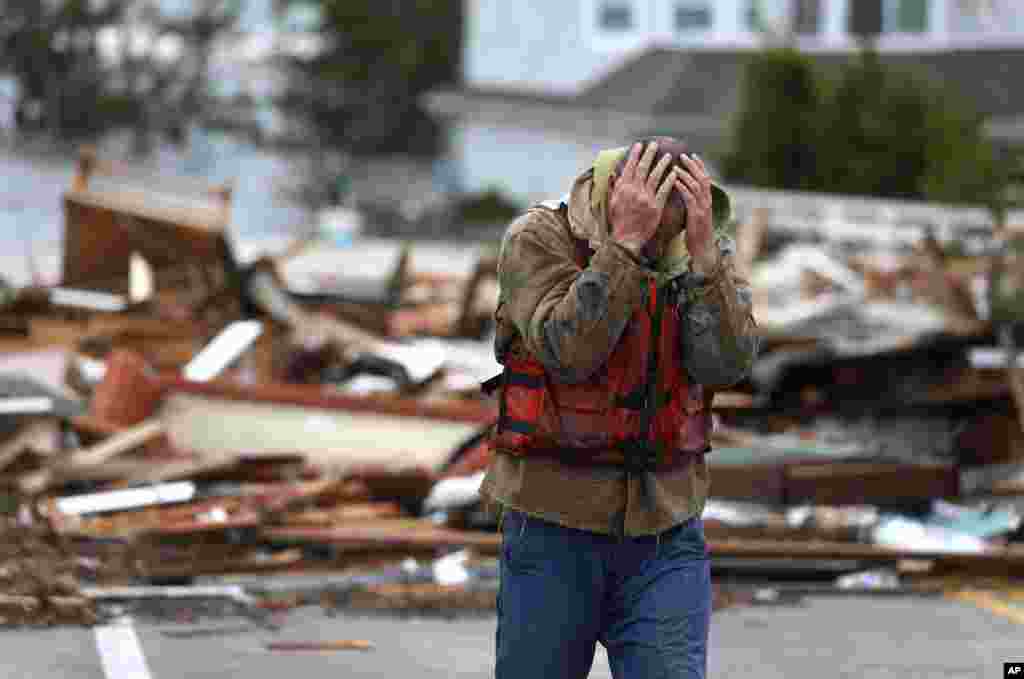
(909, 638)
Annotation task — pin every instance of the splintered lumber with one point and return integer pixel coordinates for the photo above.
(93, 457)
(267, 292)
(41, 436)
(729, 400)
(421, 598)
(788, 470)
(391, 534)
(122, 442)
(285, 395)
(152, 515)
(105, 224)
(337, 434)
(362, 511)
(199, 564)
(847, 483)
(1007, 559)
(963, 386)
(750, 482)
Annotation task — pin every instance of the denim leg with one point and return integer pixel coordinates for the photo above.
(660, 608)
(549, 600)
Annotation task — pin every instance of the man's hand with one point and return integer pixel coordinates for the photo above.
(695, 185)
(637, 201)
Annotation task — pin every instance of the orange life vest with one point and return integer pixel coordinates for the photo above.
(639, 410)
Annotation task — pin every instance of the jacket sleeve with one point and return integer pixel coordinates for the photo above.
(568, 317)
(719, 338)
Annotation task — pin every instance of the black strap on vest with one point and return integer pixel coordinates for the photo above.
(503, 380)
(641, 453)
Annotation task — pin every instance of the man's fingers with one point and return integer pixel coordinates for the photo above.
(644, 166)
(700, 191)
(666, 187)
(631, 161)
(659, 169)
(696, 167)
(691, 200)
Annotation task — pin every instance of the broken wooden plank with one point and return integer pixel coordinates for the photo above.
(124, 441)
(41, 436)
(392, 534)
(237, 564)
(754, 483)
(848, 483)
(421, 598)
(93, 456)
(105, 225)
(346, 513)
(338, 434)
(1000, 559)
(454, 410)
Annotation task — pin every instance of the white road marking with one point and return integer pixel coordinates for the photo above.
(120, 652)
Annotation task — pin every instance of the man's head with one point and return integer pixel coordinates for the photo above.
(673, 219)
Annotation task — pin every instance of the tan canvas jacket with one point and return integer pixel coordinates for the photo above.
(570, 319)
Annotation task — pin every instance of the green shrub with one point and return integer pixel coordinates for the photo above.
(776, 136)
(487, 206)
(874, 130)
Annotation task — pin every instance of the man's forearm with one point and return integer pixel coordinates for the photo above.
(568, 318)
(719, 342)
(575, 334)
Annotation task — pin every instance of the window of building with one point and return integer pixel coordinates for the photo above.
(691, 16)
(615, 16)
(905, 16)
(612, 25)
(913, 16)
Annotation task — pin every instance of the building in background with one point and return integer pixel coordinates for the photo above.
(547, 84)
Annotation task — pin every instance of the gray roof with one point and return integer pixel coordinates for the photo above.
(677, 81)
(664, 81)
(704, 84)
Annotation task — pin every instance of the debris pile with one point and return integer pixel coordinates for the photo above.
(173, 411)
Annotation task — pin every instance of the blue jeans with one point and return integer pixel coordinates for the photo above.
(647, 600)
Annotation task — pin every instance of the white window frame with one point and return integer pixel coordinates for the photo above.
(674, 5)
(603, 40)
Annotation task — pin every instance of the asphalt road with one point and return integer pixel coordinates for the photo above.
(870, 638)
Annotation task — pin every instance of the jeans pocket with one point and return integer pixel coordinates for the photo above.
(687, 541)
(513, 525)
(516, 540)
